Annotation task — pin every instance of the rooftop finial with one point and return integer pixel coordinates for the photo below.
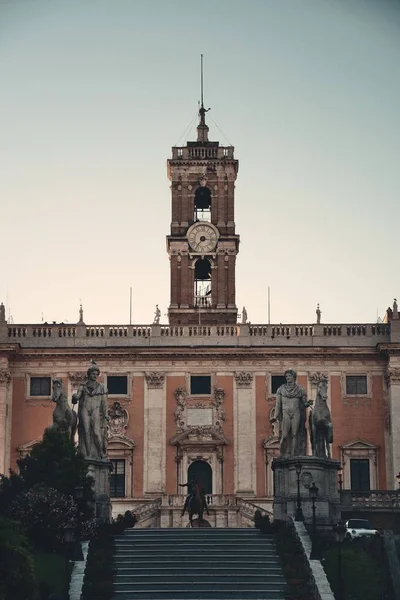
(202, 127)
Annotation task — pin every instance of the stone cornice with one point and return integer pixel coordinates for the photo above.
(240, 356)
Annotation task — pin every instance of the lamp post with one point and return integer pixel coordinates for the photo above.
(299, 513)
(313, 491)
(340, 478)
(69, 535)
(340, 531)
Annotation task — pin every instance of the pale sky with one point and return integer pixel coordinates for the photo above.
(93, 94)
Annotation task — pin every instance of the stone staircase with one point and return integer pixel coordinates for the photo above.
(197, 564)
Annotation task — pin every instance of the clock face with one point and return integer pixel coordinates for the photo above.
(202, 237)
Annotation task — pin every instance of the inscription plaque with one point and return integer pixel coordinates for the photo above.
(199, 416)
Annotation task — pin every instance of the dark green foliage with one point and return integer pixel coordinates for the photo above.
(57, 463)
(99, 573)
(43, 513)
(362, 574)
(17, 571)
(50, 572)
(42, 495)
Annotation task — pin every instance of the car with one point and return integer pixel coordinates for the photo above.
(356, 528)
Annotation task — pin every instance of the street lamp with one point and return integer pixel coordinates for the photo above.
(340, 531)
(313, 491)
(299, 513)
(69, 535)
(340, 477)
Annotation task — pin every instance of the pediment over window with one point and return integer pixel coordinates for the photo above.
(121, 441)
(25, 449)
(200, 436)
(359, 445)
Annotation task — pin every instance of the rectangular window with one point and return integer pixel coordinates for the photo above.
(200, 385)
(356, 385)
(359, 474)
(117, 478)
(40, 386)
(117, 385)
(276, 382)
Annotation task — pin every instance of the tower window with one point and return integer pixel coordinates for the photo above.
(202, 204)
(202, 282)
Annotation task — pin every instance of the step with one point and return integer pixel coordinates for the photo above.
(209, 563)
(277, 594)
(204, 586)
(198, 569)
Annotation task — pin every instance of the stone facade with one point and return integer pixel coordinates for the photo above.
(161, 428)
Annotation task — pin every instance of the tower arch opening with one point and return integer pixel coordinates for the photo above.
(202, 204)
(202, 282)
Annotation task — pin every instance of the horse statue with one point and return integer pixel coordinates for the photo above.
(196, 504)
(320, 424)
(64, 418)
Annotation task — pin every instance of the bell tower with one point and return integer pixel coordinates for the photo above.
(202, 244)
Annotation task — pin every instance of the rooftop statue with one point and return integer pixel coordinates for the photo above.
(93, 416)
(290, 412)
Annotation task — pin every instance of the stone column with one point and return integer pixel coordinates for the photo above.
(5, 380)
(245, 434)
(392, 377)
(154, 434)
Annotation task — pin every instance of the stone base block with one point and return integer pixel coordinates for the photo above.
(99, 470)
(321, 471)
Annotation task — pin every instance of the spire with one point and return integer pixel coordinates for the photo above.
(202, 129)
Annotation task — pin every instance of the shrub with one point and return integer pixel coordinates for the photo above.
(17, 570)
(43, 513)
(99, 572)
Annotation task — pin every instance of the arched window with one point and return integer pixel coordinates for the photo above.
(202, 282)
(201, 472)
(202, 204)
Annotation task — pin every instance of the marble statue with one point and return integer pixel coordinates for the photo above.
(64, 418)
(93, 416)
(321, 429)
(318, 311)
(244, 315)
(157, 316)
(290, 412)
(395, 314)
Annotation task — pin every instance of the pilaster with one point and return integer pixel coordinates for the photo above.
(154, 434)
(5, 380)
(245, 435)
(392, 377)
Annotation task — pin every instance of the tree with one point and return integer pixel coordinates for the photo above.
(17, 570)
(56, 463)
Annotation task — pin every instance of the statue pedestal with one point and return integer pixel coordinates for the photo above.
(321, 471)
(100, 471)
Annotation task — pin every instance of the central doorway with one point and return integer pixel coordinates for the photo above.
(201, 472)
